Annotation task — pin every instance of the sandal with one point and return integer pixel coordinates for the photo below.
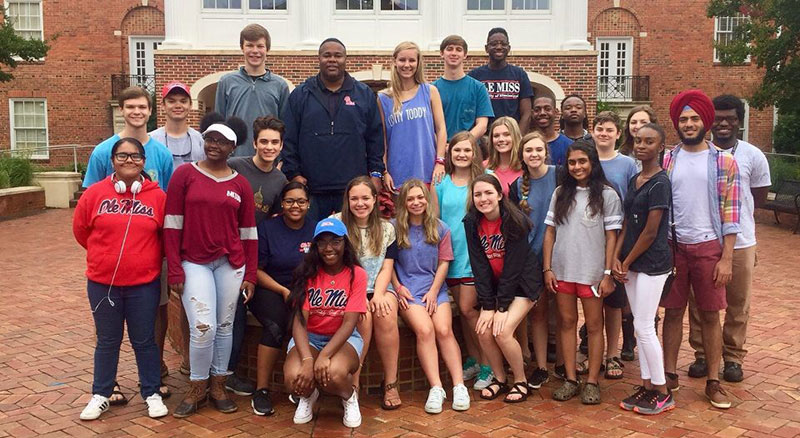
(163, 390)
(568, 390)
(590, 394)
(495, 388)
(517, 390)
(391, 403)
(582, 367)
(613, 369)
(117, 392)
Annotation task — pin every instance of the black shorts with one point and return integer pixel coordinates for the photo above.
(272, 312)
(617, 299)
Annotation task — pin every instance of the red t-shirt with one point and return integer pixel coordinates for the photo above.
(328, 297)
(493, 243)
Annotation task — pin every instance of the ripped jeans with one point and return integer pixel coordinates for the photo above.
(209, 298)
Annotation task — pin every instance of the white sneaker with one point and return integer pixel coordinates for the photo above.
(96, 406)
(483, 380)
(156, 407)
(435, 400)
(472, 371)
(460, 397)
(305, 408)
(352, 413)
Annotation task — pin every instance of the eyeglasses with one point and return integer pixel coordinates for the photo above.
(498, 44)
(730, 119)
(289, 202)
(217, 141)
(123, 157)
(334, 242)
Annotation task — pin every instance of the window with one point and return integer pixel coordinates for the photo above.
(29, 126)
(530, 5)
(370, 5)
(268, 5)
(399, 5)
(27, 18)
(744, 125)
(222, 4)
(724, 31)
(486, 5)
(354, 5)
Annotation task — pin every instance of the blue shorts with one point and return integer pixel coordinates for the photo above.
(443, 297)
(318, 342)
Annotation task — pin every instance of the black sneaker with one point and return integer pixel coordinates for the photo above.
(538, 378)
(732, 372)
(698, 368)
(629, 403)
(560, 372)
(239, 386)
(655, 403)
(261, 403)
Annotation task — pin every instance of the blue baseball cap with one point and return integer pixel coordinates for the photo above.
(330, 225)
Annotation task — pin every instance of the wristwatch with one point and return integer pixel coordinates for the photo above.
(607, 272)
(502, 309)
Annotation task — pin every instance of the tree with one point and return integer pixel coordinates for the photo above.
(14, 48)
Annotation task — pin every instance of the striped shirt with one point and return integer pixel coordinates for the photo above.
(723, 188)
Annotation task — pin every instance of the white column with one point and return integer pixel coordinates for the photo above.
(177, 23)
(440, 16)
(576, 18)
(313, 17)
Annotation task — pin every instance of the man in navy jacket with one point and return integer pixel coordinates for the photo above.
(333, 132)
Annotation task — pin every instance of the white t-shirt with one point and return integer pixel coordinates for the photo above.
(693, 223)
(753, 173)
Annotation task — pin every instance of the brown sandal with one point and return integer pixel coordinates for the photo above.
(385, 403)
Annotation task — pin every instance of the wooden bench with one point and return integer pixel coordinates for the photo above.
(787, 200)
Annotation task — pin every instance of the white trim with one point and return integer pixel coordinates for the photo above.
(173, 221)
(745, 125)
(549, 83)
(726, 32)
(219, 180)
(12, 129)
(7, 5)
(248, 233)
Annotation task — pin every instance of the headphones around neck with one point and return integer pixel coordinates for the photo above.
(120, 186)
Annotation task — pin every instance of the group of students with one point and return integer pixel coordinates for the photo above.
(335, 247)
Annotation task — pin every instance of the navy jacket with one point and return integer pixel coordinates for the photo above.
(330, 145)
(522, 271)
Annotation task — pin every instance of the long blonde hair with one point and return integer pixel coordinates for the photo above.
(429, 221)
(526, 177)
(374, 224)
(513, 129)
(395, 84)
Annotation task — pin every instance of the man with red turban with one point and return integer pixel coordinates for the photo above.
(706, 205)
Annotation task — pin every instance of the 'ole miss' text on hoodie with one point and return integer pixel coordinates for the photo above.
(99, 226)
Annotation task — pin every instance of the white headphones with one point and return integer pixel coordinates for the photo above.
(120, 186)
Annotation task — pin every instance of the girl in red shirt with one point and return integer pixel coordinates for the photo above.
(329, 294)
(119, 221)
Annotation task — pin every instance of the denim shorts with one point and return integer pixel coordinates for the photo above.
(318, 342)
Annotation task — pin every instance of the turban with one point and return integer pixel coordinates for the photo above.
(696, 100)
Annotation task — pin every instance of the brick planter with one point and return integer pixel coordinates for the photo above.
(411, 377)
(18, 201)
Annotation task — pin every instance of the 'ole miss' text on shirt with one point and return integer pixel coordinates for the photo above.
(328, 297)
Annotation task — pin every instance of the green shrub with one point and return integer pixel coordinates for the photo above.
(5, 181)
(782, 167)
(786, 136)
(18, 170)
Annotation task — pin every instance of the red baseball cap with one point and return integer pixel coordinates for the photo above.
(172, 86)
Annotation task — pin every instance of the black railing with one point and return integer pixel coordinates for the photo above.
(121, 82)
(623, 88)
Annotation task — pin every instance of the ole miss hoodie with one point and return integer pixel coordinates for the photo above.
(99, 226)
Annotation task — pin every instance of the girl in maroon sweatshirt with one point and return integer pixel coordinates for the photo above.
(119, 222)
(212, 254)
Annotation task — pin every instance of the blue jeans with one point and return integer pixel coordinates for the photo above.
(323, 205)
(136, 306)
(209, 298)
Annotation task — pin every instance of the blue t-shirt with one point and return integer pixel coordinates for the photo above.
(416, 266)
(506, 88)
(539, 194)
(281, 249)
(452, 208)
(558, 150)
(158, 162)
(619, 171)
(463, 101)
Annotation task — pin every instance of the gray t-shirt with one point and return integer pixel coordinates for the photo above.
(185, 149)
(579, 254)
(266, 186)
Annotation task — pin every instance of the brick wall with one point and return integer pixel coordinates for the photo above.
(75, 75)
(575, 74)
(677, 54)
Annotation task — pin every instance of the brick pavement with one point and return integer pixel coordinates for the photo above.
(46, 347)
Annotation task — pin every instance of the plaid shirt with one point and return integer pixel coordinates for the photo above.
(723, 188)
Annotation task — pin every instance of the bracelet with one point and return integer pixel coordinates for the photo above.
(307, 358)
(547, 270)
(376, 174)
(440, 160)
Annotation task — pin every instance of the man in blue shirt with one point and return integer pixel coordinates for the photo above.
(508, 85)
(465, 100)
(544, 118)
(135, 105)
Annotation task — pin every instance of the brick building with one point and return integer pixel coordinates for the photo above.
(66, 98)
(673, 48)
